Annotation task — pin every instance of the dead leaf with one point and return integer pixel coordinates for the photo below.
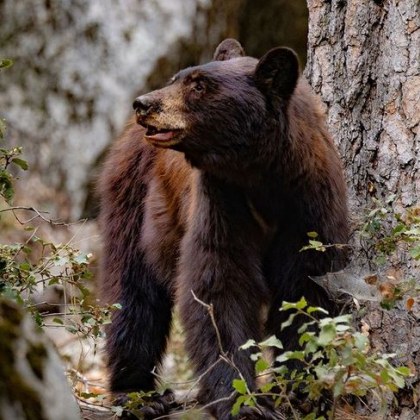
(371, 279)
(409, 304)
(387, 290)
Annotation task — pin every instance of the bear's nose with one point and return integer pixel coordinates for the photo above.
(142, 104)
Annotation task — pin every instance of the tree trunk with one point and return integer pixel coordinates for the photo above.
(364, 62)
(78, 66)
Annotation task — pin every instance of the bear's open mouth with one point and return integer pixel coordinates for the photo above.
(161, 136)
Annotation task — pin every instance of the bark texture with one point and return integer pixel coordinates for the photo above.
(364, 62)
(78, 67)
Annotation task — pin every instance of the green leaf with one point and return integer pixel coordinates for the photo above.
(5, 63)
(267, 387)
(342, 319)
(289, 321)
(317, 245)
(312, 309)
(250, 401)
(403, 370)
(247, 345)
(302, 303)
(238, 403)
(312, 235)
(54, 280)
(326, 335)
(305, 337)
(239, 385)
(272, 341)
(399, 228)
(58, 321)
(360, 341)
(25, 266)
(6, 186)
(21, 163)
(291, 355)
(261, 365)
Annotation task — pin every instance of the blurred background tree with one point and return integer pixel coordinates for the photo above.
(79, 64)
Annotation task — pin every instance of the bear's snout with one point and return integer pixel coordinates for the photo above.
(143, 104)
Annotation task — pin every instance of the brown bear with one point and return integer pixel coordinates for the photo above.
(211, 195)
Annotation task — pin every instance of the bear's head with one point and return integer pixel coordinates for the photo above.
(224, 114)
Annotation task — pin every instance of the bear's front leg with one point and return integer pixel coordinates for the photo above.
(214, 333)
(220, 266)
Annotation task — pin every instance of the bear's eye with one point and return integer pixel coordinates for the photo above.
(198, 86)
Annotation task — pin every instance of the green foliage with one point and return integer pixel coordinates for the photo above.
(8, 158)
(385, 231)
(22, 275)
(386, 238)
(35, 265)
(335, 359)
(382, 231)
(315, 244)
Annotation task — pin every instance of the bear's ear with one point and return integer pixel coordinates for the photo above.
(227, 49)
(277, 72)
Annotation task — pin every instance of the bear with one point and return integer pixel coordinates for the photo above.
(208, 197)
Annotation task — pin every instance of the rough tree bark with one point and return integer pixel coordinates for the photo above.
(364, 62)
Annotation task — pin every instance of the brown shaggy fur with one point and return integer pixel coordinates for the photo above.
(222, 209)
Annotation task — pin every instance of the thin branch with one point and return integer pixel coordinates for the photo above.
(38, 214)
(223, 354)
(210, 310)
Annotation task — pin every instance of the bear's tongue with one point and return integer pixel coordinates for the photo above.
(162, 135)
